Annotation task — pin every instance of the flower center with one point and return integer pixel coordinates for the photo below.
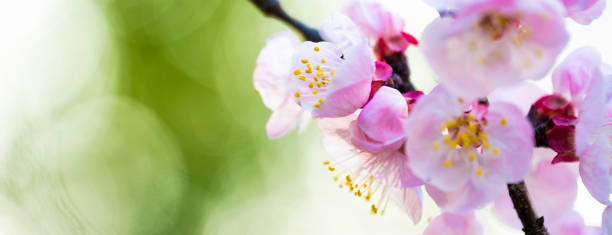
(495, 25)
(314, 78)
(466, 135)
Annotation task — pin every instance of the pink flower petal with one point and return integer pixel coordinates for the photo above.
(606, 221)
(529, 94)
(383, 117)
(467, 198)
(410, 200)
(570, 224)
(546, 179)
(271, 74)
(514, 139)
(429, 113)
(458, 224)
(284, 119)
(586, 16)
(574, 75)
(374, 19)
(591, 112)
(342, 31)
(383, 71)
(472, 64)
(595, 168)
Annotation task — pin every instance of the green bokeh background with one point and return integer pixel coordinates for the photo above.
(167, 132)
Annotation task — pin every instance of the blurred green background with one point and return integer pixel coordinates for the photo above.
(160, 129)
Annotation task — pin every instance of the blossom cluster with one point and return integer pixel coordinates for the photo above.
(485, 124)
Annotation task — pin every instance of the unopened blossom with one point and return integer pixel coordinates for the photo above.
(458, 224)
(380, 24)
(271, 79)
(584, 11)
(543, 181)
(466, 154)
(489, 44)
(367, 146)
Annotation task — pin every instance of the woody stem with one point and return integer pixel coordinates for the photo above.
(532, 225)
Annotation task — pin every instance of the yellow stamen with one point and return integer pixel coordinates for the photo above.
(447, 139)
(297, 72)
(331, 168)
(496, 151)
(447, 163)
(316, 48)
(314, 92)
(479, 172)
(319, 84)
(471, 156)
(321, 100)
(482, 135)
(503, 121)
(373, 209)
(323, 60)
(486, 145)
(326, 163)
(302, 77)
(297, 94)
(435, 146)
(311, 84)
(316, 105)
(305, 61)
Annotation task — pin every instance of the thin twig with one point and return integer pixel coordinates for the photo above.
(532, 225)
(272, 8)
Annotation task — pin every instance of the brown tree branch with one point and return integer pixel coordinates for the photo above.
(532, 225)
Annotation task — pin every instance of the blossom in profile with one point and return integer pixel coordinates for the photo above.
(584, 11)
(466, 152)
(582, 130)
(459, 224)
(489, 44)
(271, 80)
(367, 145)
(380, 24)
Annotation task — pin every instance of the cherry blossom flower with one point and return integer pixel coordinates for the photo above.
(333, 79)
(368, 146)
(459, 224)
(271, 80)
(583, 80)
(494, 43)
(380, 24)
(466, 154)
(584, 11)
(544, 179)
